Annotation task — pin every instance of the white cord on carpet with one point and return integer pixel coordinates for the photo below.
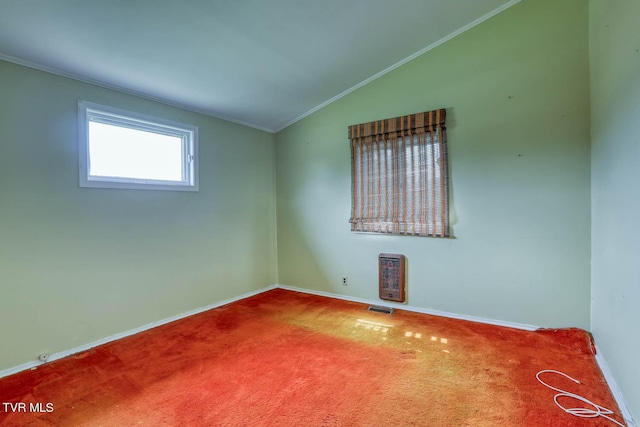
(597, 411)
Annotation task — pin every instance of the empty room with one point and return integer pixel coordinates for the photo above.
(329, 213)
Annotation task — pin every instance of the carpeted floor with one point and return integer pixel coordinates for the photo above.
(285, 358)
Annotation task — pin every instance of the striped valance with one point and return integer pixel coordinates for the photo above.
(413, 123)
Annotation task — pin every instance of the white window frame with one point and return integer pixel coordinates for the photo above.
(91, 112)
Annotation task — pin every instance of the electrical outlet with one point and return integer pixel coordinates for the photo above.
(43, 357)
(345, 281)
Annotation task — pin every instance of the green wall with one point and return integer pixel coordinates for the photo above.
(544, 223)
(516, 89)
(615, 205)
(80, 264)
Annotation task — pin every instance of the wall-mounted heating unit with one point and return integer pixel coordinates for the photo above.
(391, 277)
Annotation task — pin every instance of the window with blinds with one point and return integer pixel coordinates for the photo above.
(399, 176)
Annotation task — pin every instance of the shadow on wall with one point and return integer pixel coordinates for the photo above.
(302, 267)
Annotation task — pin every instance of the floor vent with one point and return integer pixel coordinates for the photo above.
(379, 309)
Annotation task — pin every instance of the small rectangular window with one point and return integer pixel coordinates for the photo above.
(121, 149)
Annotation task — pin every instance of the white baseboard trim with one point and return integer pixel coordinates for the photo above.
(604, 367)
(34, 364)
(55, 356)
(476, 319)
(615, 390)
(613, 386)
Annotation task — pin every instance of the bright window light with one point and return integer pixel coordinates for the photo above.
(124, 153)
(120, 149)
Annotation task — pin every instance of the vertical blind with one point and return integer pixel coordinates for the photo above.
(399, 175)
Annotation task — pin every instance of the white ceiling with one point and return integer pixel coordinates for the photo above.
(263, 63)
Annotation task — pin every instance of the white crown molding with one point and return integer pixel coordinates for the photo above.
(56, 71)
(61, 73)
(401, 63)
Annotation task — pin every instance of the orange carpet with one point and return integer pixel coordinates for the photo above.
(285, 358)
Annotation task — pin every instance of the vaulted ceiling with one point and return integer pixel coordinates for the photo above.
(263, 63)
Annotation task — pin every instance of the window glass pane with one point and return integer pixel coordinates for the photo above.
(121, 152)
